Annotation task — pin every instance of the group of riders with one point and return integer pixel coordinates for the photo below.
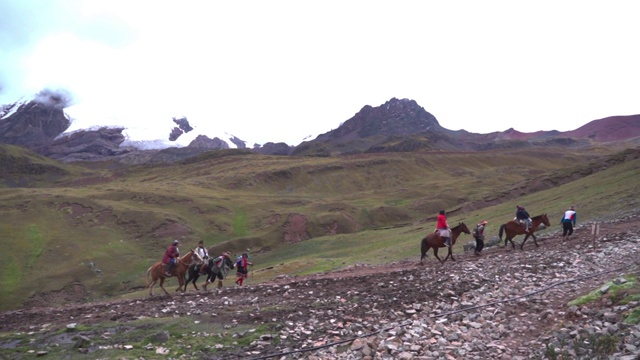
(522, 216)
(220, 266)
(213, 266)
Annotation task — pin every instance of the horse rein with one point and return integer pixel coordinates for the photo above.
(184, 257)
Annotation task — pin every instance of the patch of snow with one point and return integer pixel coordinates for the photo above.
(10, 109)
(156, 137)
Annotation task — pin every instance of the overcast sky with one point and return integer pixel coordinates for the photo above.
(283, 70)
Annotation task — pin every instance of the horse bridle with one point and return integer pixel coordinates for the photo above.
(189, 263)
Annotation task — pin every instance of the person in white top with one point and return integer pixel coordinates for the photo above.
(201, 250)
(568, 222)
(204, 254)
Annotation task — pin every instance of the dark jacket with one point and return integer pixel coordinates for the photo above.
(172, 252)
(522, 214)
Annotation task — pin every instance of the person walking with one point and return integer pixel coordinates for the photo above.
(442, 227)
(478, 234)
(170, 256)
(568, 222)
(220, 267)
(242, 271)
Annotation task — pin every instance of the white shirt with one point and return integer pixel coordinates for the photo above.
(202, 252)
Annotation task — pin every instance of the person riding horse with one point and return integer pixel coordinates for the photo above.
(170, 255)
(204, 254)
(523, 217)
(442, 227)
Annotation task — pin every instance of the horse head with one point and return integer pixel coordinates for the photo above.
(463, 227)
(545, 220)
(196, 258)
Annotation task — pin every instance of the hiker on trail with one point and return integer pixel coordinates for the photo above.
(170, 255)
(522, 216)
(442, 227)
(568, 222)
(220, 266)
(242, 271)
(478, 234)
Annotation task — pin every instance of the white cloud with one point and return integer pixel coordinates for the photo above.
(279, 71)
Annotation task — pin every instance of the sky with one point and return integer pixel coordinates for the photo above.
(280, 71)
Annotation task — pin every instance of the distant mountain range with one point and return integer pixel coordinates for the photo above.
(399, 125)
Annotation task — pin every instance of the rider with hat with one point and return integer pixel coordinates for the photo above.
(170, 256)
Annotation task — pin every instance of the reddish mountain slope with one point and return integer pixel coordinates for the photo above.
(614, 128)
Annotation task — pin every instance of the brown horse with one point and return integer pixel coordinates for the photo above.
(434, 241)
(513, 229)
(157, 271)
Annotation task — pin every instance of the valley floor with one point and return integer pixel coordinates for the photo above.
(505, 304)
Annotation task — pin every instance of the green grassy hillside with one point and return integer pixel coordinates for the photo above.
(101, 226)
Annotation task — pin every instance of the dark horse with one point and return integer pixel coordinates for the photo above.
(434, 241)
(210, 269)
(514, 229)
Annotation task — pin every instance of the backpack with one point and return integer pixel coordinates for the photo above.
(217, 262)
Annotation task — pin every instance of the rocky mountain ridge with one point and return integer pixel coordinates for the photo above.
(399, 125)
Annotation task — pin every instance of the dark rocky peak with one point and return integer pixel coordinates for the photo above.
(204, 142)
(35, 122)
(271, 148)
(183, 127)
(87, 145)
(395, 117)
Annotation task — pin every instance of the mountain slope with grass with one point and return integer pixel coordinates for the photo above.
(98, 226)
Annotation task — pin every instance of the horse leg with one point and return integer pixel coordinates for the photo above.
(524, 241)
(208, 281)
(424, 255)
(535, 241)
(194, 281)
(162, 286)
(450, 254)
(435, 252)
(182, 284)
(151, 285)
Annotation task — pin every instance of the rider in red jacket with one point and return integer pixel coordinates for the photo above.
(170, 255)
(443, 228)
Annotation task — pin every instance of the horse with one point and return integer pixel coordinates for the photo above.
(434, 241)
(211, 270)
(512, 229)
(157, 271)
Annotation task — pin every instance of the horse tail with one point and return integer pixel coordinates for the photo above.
(501, 231)
(149, 275)
(423, 248)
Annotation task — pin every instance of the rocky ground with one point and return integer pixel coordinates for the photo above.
(505, 304)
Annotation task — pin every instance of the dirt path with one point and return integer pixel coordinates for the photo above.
(365, 294)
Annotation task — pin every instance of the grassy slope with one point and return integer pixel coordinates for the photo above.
(119, 222)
